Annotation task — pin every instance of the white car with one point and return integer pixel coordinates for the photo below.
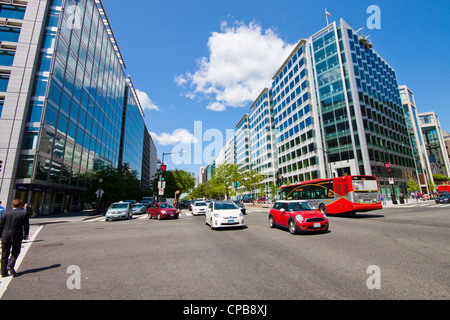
(119, 210)
(200, 207)
(224, 214)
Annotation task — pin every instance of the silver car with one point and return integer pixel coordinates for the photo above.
(139, 208)
(119, 210)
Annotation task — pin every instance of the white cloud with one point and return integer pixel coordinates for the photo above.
(242, 61)
(178, 136)
(145, 101)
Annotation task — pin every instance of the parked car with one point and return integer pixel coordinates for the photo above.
(119, 210)
(200, 207)
(297, 216)
(224, 214)
(162, 210)
(438, 197)
(139, 208)
(240, 206)
(443, 198)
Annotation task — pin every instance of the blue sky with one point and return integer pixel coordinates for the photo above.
(207, 60)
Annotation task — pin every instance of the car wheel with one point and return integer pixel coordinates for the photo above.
(271, 222)
(323, 209)
(292, 227)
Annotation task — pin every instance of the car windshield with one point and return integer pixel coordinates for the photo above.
(137, 205)
(299, 206)
(119, 206)
(165, 205)
(225, 206)
(238, 203)
(200, 204)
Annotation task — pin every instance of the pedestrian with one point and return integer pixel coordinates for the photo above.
(14, 227)
(2, 209)
(383, 199)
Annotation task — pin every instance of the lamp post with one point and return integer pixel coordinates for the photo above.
(167, 153)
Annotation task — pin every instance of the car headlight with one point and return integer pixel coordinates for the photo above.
(299, 218)
(216, 215)
(240, 214)
(324, 215)
(164, 211)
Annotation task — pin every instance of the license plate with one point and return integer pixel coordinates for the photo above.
(317, 225)
(171, 215)
(230, 221)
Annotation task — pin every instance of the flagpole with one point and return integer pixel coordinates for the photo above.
(326, 15)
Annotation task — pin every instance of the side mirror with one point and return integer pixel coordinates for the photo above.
(283, 210)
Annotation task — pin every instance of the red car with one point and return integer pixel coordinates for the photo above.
(162, 210)
(298, 216)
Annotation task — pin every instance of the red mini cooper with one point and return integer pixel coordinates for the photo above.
(297, 216)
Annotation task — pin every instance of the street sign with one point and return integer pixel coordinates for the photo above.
(161, 184)
(391, 181)
(160, 191)
(99, 193)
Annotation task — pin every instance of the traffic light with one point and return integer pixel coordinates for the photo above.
(163, 168)
(162, 176)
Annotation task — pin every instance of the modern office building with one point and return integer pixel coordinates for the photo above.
(263, 154)
(242, 144)
(336, 111)
(423, 169)
(68, 107)
(434, 143)
(296, 120)
(362, 119)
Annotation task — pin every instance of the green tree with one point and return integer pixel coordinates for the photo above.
(251, 180)
(226, 174)
(117, 183)
(176, 180)
(412, 186)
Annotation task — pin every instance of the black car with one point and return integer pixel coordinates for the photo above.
(443, 198)
(240, 205)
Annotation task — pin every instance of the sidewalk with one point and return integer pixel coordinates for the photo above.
(63, 217)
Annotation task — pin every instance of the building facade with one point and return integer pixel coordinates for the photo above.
(336, 111)
(361, 113)
(67, 106)
(423, 169)
(263, 154)
(434, 143)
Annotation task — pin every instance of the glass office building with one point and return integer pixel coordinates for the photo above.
(263, 155)
(295, 119)
(434, 143)
(242, 144)
(336, 111)
(68, 107)
(423, 169)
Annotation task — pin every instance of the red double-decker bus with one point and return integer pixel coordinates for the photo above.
(344, 195)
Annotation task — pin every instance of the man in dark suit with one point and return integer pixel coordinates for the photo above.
(14, 227)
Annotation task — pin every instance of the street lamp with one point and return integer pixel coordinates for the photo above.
(165, 154)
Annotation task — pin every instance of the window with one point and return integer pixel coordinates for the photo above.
(10, 34)
(7, 57)
(12, 12)
(4, 80)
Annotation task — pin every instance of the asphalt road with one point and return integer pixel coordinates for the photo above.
(183, 259)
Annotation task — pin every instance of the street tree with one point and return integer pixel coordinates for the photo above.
(227, 174)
